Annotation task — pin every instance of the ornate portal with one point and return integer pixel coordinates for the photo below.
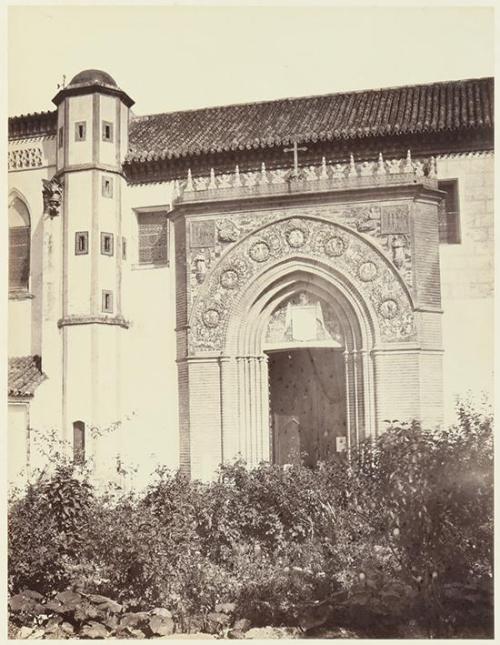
(307, 319)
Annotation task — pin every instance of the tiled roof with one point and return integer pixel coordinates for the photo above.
(37, 123)
(432, 108)
(436, 107)
(25, 375)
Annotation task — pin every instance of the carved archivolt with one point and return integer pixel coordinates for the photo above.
(346, 252)
(393, 241)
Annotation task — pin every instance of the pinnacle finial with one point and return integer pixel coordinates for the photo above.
(381, 169)
(408, 167)
(237, 178)
(324, 171)
(263, 174)
(212, 183)
(432, 168)
(352, 166)
(189, 182)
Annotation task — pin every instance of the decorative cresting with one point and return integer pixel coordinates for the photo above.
(345, 252)
(310, 178)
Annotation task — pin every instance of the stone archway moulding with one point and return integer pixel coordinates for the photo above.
(346, 258)
(247, 325)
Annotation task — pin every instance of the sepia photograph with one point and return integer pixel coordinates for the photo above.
(250, 322)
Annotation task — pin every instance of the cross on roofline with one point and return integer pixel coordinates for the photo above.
(295, 149)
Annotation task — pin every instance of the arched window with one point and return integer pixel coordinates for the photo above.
(19, 244)
(79, 442)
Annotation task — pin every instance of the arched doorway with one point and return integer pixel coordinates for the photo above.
(305, 345)
(227, 362)
(298, 354)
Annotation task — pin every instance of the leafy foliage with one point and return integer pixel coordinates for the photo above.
(397, 532)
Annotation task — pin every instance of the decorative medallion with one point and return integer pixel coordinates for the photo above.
(229, 279)
(211, 318)
(295, 237)
(367, 271)
(259, 252)
(227, 231)
(389, 308)
(335, 246)
(215, 300)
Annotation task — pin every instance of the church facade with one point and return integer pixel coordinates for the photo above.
(274, 281)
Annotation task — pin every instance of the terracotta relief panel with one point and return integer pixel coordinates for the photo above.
(387, 226)
(240, 262)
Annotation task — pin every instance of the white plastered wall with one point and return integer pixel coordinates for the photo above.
(32, 322)
(467, 279)
(17, 443)
(150, 395)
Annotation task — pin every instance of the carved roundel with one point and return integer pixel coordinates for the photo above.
(295, 237)
(367, 271)
(222, 292)
(211, 318)
(259, 252)
(229, 279)
(335, 246)
(389, 308)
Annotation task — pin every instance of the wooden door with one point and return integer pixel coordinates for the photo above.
(286, 433)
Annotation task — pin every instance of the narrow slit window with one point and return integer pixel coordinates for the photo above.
(124, 248)
(80, 131)
(107, 131)
(81, 243)
(107, 302)
(79, 442)
(107, 187)
(61, 137)
(107, 243)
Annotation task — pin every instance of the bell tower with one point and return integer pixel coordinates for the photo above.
(92, 141)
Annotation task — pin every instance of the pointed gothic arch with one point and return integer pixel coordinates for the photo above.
(245, 376)
(19, 242)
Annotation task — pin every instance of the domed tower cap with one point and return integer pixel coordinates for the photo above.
(91, 76)
(89, 81)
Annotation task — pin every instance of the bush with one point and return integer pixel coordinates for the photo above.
(400, 530)
(48, 528)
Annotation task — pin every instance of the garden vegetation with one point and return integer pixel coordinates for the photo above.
(394, 540)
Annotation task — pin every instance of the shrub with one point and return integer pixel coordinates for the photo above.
(398, 530)
(48, 527)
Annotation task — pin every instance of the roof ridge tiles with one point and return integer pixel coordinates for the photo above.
(439, 106)
(223, 106)
(144, 117)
